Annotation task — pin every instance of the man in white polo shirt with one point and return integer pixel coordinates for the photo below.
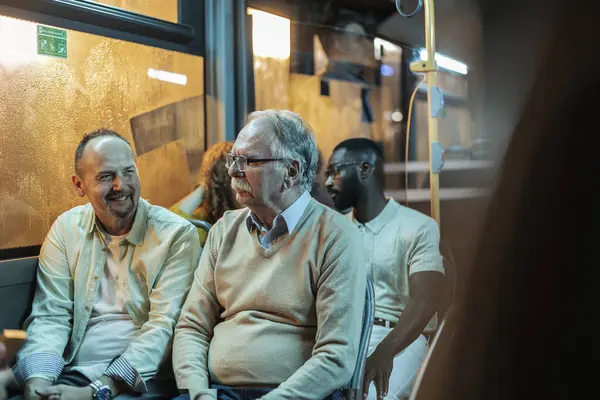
(405, 263)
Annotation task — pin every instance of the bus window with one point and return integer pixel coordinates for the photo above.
(152, 96)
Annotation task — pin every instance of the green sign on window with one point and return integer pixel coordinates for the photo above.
(52, 41)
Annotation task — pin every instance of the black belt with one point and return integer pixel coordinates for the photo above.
(383, 322)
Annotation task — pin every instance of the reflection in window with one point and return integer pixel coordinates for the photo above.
(330, 82)
(161, 9)
(327, 76)
(48, 103)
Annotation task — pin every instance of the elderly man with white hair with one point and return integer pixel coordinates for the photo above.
(276, 306)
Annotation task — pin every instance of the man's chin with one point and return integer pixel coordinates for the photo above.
(120, 213)
(244, 198)
(122, 210)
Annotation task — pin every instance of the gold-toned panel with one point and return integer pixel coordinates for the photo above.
(335, 117)
(164, 174)
(271, 83)
(382, 129)
(161, 9)
(47, 104)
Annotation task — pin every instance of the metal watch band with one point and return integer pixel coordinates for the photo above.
(96, 385)
(101, 391)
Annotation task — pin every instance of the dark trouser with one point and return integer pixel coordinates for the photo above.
(157, 390)
(229, 393)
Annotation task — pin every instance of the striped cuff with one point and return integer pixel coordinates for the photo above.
(46, 365)
(121, 370)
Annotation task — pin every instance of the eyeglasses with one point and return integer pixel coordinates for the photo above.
(333, 170)
(242, 162)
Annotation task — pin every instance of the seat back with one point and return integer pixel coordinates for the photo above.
(201, 224)
(420, 378)
(354, 388)
(17, 287)
(450, 279)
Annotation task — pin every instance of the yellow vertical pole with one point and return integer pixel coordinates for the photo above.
(432, 122)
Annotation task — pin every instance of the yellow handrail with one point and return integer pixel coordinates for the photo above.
(429, 68)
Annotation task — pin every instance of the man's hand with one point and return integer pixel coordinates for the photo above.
(64, 392)
(5, 377)
(5, 374)
(33, 385)
(378, 369)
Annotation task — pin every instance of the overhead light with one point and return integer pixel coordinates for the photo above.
(446, 62)
(166, 76)
(270, 35)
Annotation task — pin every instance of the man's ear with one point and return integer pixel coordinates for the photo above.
(78, 182)
(293, 173)
(365, 170)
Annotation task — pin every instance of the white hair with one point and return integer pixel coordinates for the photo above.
(295, 141)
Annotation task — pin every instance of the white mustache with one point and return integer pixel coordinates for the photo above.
(240, 184)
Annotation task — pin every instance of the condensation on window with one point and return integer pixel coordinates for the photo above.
(153, 97)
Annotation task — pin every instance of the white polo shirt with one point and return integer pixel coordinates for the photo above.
(400, 241)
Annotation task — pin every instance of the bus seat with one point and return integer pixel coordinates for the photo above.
(354, 388)
(451, 279)
(17, 287)
(201, 224)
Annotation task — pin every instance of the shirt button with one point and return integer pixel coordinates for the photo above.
(88, 308)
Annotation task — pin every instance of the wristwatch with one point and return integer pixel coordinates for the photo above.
(101, 391)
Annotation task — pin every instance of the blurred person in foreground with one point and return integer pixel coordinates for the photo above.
(214, 195)
(405, 264)
(276, 307)
(523, 327)
(111, 280)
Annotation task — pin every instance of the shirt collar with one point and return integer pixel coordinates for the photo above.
(385, 216)
(138, 229)
(290, 215)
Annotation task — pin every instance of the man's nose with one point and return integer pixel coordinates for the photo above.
(329, 182)
(234, 171)
(117, 183)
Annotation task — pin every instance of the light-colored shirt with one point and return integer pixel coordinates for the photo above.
(288, 316)
(282, 223)
(399, 242)
(157, 260)
(109, 319)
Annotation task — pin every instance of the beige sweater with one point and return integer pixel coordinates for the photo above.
(288, 316)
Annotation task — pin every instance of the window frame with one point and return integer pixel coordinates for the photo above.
(186, 36)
